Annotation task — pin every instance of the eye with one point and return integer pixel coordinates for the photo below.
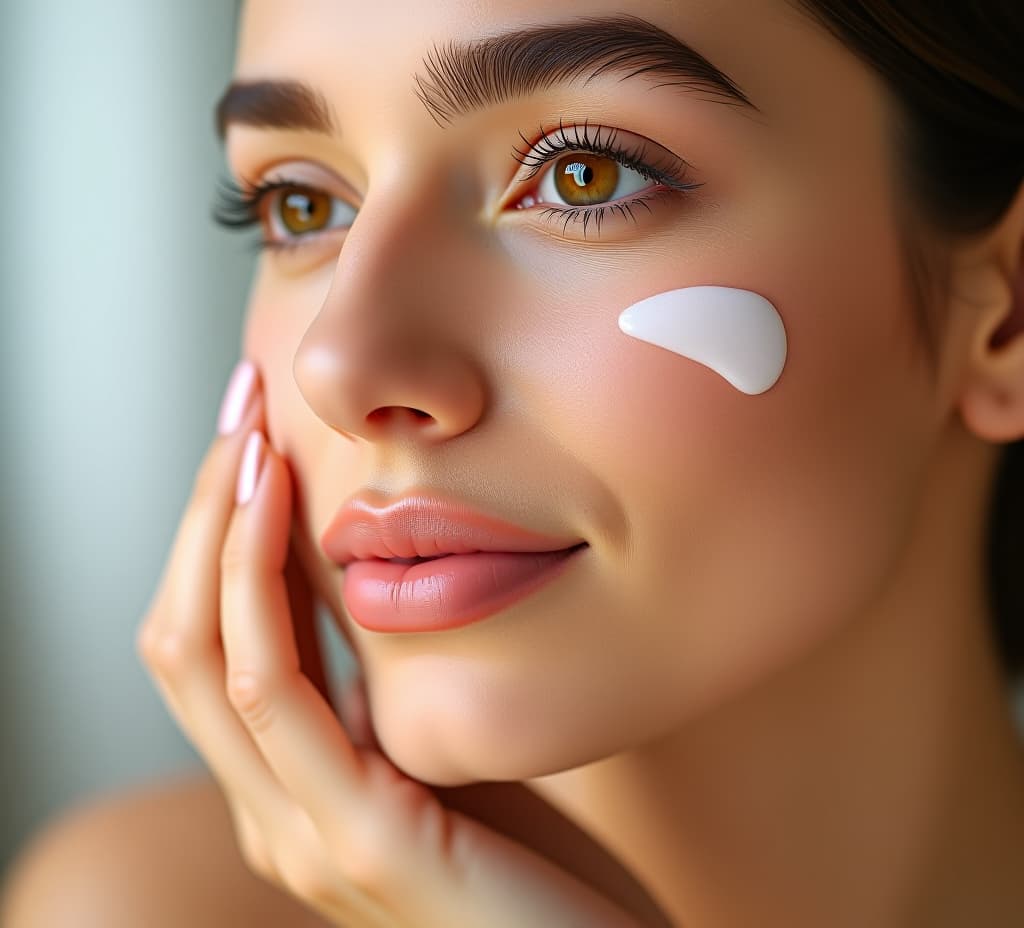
(289, 213)
(293, 211)
(594, 177)
(302, 211)
(584, 179)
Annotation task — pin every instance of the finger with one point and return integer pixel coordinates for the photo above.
(252, 844)
(294, 727)
(179, 640)
(201, 708)
(192, 575)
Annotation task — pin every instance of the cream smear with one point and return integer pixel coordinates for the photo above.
(736, 333)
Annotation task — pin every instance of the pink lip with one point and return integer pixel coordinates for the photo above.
(480, 564)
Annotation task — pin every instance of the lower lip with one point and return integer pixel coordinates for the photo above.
(447, 592)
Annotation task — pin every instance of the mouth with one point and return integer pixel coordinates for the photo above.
(414, 560)
(430, 563)
(432, 594)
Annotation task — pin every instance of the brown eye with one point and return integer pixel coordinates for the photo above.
(582, 179)
(300, 210)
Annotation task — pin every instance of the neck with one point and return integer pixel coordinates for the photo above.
(879, 782)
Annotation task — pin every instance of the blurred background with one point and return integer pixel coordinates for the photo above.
(120, 317)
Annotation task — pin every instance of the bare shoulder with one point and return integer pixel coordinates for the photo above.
(163, 854)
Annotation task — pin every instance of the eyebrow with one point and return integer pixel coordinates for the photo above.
(274, 105)
(462, 77)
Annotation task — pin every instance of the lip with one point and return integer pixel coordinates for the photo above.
(479, 564)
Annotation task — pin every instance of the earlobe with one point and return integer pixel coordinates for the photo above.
(992, 399)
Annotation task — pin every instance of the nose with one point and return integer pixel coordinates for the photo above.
(388, 357)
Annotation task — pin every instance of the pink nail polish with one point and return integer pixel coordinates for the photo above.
(236, 397)
(249, 472)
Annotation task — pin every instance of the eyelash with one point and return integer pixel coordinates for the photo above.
(668, 172)
(241, 207)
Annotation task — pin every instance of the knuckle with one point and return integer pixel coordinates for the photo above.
(251, 696)
(168, 652)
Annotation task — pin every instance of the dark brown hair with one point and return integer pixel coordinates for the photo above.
(956, 78)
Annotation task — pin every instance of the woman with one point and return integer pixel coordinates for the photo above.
(634, 389)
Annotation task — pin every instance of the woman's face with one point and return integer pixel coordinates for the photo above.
(728, 534)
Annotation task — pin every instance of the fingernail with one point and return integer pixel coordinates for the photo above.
(236, 397)
(249, 472)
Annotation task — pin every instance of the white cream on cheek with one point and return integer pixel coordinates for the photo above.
(736, 333)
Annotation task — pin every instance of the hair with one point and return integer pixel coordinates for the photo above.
(954, 76)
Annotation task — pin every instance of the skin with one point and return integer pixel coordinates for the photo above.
(770, 670)
(512, 434)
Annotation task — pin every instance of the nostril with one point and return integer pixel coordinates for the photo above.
(384, 413)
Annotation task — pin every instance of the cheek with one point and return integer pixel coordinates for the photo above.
(267, 343)
(279, 313)
(757, 525)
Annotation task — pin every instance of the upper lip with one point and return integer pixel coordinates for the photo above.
(425, 526)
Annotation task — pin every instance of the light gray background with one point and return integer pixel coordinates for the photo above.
(120, 311)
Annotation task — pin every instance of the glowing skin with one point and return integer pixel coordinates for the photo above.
(736, 333)
(781, 600)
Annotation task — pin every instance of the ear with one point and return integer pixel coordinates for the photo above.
(987, 286)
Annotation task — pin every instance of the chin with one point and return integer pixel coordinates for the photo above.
(452, 764)
(429, 767)
(481, 740)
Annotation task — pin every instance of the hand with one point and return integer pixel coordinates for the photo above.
(337, 825)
